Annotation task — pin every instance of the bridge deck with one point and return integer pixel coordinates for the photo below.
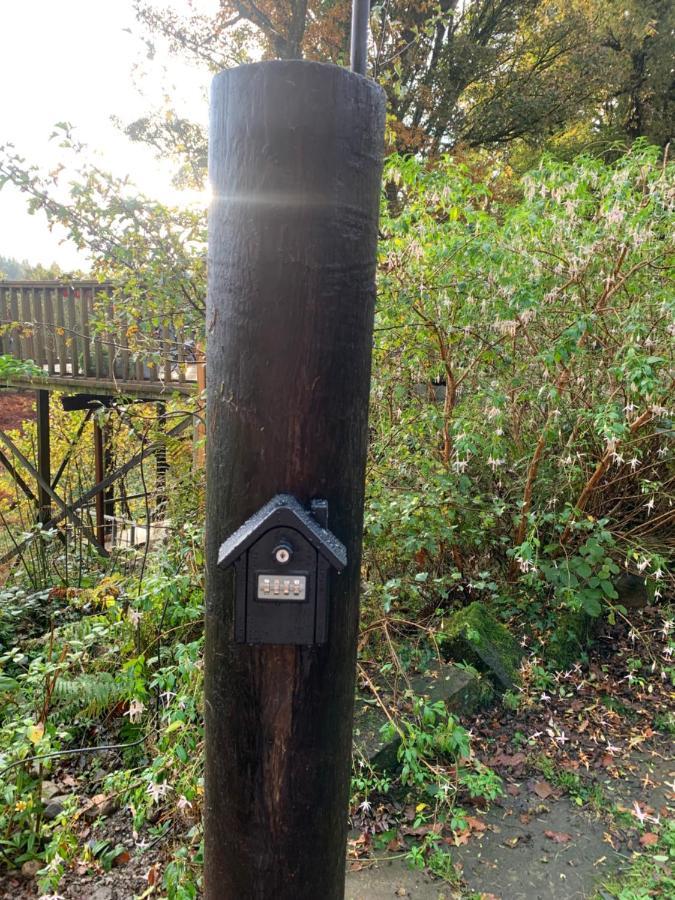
(83, 339)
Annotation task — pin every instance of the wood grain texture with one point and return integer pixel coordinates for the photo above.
(295, 164)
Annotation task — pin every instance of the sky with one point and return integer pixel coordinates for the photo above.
(76, 61)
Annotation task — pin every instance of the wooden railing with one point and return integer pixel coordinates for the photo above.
(76, 331)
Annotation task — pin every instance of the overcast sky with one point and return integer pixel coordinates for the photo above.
(75, 61)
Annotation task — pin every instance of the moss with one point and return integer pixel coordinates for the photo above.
(570, 638)
(474, 636)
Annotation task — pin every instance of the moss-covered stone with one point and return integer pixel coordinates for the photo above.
(462, 690)
(474, 636)
(570, 638)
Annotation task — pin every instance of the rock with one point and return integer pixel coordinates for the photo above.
(100, 805)
(49, 789)
(571, 637)
(31, 867)
(461, 690)
(632, 590)
(54, 808)
(474, 636)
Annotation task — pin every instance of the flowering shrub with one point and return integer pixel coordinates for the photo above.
(523, 379)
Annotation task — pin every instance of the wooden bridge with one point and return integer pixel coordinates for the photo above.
(85, 342)
(82, 338)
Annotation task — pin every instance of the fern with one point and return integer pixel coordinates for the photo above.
(92, 694)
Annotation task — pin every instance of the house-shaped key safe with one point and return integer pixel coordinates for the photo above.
(282, 557)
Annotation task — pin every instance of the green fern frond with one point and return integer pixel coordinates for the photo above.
(92, 694)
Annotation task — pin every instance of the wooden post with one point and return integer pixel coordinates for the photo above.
(44, 456)
(99, 475)
(109, 492)
(295, 164)
(161, 466)
(199, 433)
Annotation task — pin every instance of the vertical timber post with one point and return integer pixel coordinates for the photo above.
(109, 493)
(161, 465)
(99, 475)
(295, 167)
(44, 456)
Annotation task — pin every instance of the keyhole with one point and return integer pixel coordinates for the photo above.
(282, 554)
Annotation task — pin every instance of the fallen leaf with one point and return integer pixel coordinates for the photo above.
(513, 841)
(35, 732)
(558, 837)
(543, 789)
(649, 839)
(512, 790)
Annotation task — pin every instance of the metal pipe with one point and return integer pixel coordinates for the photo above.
(359, 42)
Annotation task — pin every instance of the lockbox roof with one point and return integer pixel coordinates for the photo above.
(283, 511)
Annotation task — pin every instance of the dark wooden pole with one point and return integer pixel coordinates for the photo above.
(99, 475)
(295, 165)
(44, 456)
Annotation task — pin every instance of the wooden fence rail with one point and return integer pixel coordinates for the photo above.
(78, 331)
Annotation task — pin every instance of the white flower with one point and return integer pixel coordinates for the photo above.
(55, 863)
(637, 812)
(134, 617)
(650, 505)
(135, 711)
(366, 807)
(634, 463)
(642, 565)
(615, 216)
(157, 791)
(183, 803)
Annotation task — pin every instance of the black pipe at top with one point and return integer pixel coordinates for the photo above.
(359, 43)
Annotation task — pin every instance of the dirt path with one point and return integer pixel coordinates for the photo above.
(533, 848)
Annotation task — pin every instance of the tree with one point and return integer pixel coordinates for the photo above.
(485, 73)
(14, 270)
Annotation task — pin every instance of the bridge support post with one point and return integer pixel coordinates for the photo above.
(161, 465)
(99, 475)
(44, 456)
(104, 500)
(295, 163)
